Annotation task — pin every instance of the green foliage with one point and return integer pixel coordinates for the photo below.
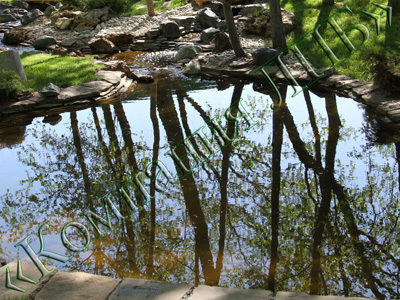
(63, 71)
(11, 84)
(385, 68)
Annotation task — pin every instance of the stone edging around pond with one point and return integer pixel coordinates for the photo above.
(385, 104)
(111, 84)
(79, 285)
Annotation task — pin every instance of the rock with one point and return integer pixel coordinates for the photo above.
(14, 36)
(21, 4)
(31, 16)
(152, 33)
(49, 10)
(170, 29)
(10, 60)
(43, 42)
(252, 10)
(207, 18)
(50, 90)
(220, 293)
(185, 21)
(3, 262)
(90, 19)
(78, 285)
(263, 55)
(216, 7)
(192, 68)
(113, 77)
(88, 91)
(188, 51)
(222, 42)
(260, 25)
(120, 39)
(102, 45)
(7, 18)
(63, 23)
(207, 34)
(69, 42)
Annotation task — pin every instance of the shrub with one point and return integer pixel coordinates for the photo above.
(11, 84)
(385, 68)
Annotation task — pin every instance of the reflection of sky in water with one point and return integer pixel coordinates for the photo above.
(138, 111)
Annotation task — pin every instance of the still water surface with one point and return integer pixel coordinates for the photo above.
(301, 202)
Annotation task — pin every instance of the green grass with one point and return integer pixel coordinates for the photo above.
(135, 10)
(310, 13)
(63, 71)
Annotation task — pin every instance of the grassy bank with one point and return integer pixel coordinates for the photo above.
(63, 71)
(310, 13)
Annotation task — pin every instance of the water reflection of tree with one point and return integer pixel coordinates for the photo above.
(299, 226)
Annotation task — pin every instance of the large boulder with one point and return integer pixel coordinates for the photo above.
(207, 35)
(222, 42)
(63, 23)
(14, 36)
(7, 18)
(187, 51)
(207, 18)
(261, 24)
(10, 60)
(44, 42)
(170, 29)
(49, 10)
(263, 55)
(120, 39)
(102, 45)
(31, 16)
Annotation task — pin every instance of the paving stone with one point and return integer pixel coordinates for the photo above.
(113, 77)
(77, 286)
(366, 89)
(141, 289)
(204, 292)
(303, 296)
(29, 270)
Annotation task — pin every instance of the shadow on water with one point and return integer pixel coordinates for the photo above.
(301, 202)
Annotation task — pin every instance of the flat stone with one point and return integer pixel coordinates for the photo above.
(394, 115)
(303, 296)
(141, 289)
(77, 286)
(366, 89)
(374, 98)
(239, 64)
(29, 270)
(218, 293)
(386, 106)
(113, 77)
(89, 90)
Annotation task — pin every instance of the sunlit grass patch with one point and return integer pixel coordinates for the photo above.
(63, 71)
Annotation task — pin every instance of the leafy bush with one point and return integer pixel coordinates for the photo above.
(385, 68)
(11, 84)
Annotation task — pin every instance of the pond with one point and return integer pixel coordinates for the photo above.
(302, 201)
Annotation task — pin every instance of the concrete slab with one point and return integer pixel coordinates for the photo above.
(77, 286)
(141, 289)
(28, 270)
(303, 296)
(204, 292)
